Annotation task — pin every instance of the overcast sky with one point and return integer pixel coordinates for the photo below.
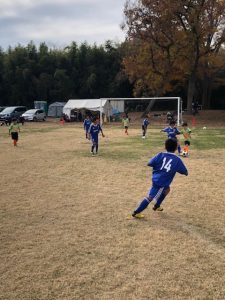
(59, 22)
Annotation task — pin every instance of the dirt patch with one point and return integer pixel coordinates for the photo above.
(64, 229)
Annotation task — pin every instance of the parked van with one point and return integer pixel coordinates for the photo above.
(1, 108)
(34, 115)
(12, 112)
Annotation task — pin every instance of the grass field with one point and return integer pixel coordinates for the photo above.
(64, 232)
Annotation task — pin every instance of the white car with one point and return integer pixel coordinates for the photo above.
(34, 115)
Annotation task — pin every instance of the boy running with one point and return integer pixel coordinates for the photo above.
(145, 124)
(187, 137)
(93, 133)
(87, 124)
(126, 122)
(165, 165)
(14, 130)
(172, 133)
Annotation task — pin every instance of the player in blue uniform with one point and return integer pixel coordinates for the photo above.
(87, 124)
(172, 133)
(145, 124)
(93, 133)
(165, 165)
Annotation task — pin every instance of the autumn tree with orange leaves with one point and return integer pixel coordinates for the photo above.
(170, 42)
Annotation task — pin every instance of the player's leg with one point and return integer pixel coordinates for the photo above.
(16, 138)
(13, 136)
(142, 206)
(96, 144)
(143, 131)
(159, 199)
(154, 191)
(178, 147)
(92, 146)
(186, 147)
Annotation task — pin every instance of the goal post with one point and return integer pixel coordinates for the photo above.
(149, 102)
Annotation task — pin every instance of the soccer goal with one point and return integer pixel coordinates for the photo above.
(146, 105)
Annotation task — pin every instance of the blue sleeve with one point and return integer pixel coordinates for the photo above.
(84, 123)
(177, 131)
(152, 162)
(181, 168)
(165, 129)
(90, 129)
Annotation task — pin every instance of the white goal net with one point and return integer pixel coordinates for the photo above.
(166, 105)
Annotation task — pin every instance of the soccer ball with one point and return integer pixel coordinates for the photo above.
(184, 153)
(204, 127)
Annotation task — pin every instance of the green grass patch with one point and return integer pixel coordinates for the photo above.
(208, 139)
(134, 147)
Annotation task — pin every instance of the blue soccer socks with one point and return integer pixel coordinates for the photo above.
(159, 201)
(143, 204)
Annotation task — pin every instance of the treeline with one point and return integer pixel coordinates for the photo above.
(30, 73)
(39, 73)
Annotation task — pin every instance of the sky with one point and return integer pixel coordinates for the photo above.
(59, 22)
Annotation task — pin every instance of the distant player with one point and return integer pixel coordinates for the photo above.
(126, 123)
(14, 130)
(172, 133)
(87, 124)
(187, 137)
(145, 124)
(93, 133)
(165, 165)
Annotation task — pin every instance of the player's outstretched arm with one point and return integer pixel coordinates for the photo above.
(182, 169)
(177, 131)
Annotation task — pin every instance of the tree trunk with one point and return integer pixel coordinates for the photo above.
(191, 92)
(149, 107)
(206, 94)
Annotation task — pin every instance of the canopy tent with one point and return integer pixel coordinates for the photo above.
(101, 105)
(56, 109)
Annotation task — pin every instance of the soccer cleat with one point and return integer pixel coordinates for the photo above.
(138, 216)
(157, 208)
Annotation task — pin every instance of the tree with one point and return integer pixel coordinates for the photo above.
(28, 73)
(170, 39)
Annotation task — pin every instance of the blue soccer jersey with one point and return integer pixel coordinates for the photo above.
(145, 123)
(172, 132)
(165, 165)
(94, 130)
(87, 123)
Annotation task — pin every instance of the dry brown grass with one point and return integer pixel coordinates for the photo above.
(64, 228)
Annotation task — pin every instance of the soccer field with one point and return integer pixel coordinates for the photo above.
(63, 217)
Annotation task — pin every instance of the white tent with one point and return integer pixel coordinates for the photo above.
(101, 105)
(56, 109)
